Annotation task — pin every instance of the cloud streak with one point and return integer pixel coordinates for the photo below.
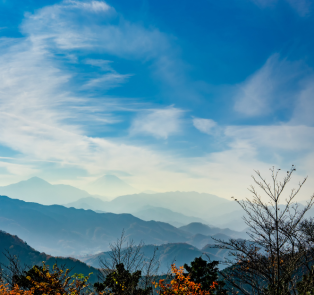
(160, 123)
(271, 88)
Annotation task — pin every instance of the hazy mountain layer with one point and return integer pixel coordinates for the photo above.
(208, 208)
(146, 213)
(29, 256)
(110, 185)
(89, 203)
(40, 191)
(165, 215)
(178, 253)
(205, 206)
(199, 228)
(58, 230)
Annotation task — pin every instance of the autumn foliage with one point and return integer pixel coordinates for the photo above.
(4, 290)
(56, 281)
(182, 285)
(40, 280)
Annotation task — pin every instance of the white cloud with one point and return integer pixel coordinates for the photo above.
(96, 6)
(204, 125)
(160, 123)
(107, 81)
(274, 138)
(304, 106)
(272, 87)
(68, 26)
(44, 119)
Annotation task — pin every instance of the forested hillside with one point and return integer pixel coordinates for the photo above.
(27, 256)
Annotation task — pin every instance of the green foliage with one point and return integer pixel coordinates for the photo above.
(121, 281)
(205, 273)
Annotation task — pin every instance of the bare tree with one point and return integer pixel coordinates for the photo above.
(132, 256)
(277, 252)
(12, 269)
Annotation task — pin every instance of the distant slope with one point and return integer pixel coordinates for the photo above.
(110, 185)
(205, 206)
(233, 220)
(201, 241)
(165, 215)
(58, 230)
(88, 203)
(38, 190)
(200, 228)
(28, 256)
(178, 253)
(146, 213)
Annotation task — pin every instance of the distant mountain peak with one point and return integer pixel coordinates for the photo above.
(110, 185)
(110, 178)
(40, 191)
(37, 180)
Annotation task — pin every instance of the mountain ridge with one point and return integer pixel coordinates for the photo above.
(27, 255)
(41, 191)
(65, 231)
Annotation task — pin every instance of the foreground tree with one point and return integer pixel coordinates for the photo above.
(122, 282)
(43, 280)
(205, 273)
(181, 284)
(127, 266)
(278, 251)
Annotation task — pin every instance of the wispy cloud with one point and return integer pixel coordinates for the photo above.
(44, 117)
(275, 138)
(204, 125)
(160, 123)
(272, 87)
(68, 26)
(107, 81)
(304, 106)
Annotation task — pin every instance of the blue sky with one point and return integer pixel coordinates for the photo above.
(180, 95)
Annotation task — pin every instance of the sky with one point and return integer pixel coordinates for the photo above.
(167, 95)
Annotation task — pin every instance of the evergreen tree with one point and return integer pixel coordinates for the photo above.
(205, 273)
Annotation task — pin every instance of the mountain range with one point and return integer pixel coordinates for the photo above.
(40, 191)
(146, 213)
(58, 230)
(176, 208)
